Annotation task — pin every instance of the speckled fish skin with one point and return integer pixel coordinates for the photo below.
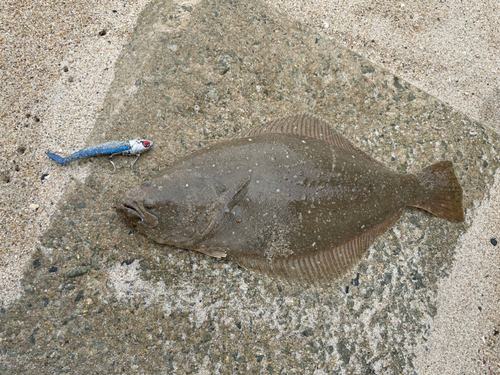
(292, 198)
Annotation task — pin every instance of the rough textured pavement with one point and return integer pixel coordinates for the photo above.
(99, 298)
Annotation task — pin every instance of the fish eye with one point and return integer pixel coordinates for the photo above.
(149, 204)
(146, 144)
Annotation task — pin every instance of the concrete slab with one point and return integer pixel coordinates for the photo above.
(97, 297)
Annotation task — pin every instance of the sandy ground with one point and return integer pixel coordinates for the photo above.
(57, 64)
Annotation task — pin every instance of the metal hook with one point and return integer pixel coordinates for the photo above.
(114, 166)
(118, 153)
(132, 165)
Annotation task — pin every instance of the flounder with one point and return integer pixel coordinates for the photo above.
(292, 198)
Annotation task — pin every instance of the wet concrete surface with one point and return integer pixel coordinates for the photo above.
(102, 299)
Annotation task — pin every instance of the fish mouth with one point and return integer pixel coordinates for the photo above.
(136, 214)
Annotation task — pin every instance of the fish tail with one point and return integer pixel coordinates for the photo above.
(442, 193)
(57, 158)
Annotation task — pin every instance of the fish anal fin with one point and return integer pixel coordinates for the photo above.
(308, 126)
(215, 252)
(323, 265)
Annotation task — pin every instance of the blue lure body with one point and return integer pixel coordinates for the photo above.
(108, 148)
(133, 147)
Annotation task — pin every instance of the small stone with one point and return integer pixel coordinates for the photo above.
(77, 271)
(355, 281)
(33, 206)
(79, 296)
(494, 241)
(53, 269)
(308, 332)
(397, 84)
(95, 261)
(367, 69)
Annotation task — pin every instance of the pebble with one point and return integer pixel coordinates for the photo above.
(77, 271)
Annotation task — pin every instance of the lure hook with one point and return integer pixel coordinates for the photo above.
(111, 161)
(114, 166)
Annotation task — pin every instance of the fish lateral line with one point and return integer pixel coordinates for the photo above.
(134, 147)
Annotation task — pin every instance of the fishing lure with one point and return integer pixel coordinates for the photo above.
(133, 147)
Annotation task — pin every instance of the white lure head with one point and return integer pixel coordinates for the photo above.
(138, 146)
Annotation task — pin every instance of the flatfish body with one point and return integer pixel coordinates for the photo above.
(292, 198)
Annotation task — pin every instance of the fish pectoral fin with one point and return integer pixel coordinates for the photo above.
(234, 196)
(215, 252)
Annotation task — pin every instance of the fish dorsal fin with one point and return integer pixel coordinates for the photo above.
(321, 266)
(308, 126)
